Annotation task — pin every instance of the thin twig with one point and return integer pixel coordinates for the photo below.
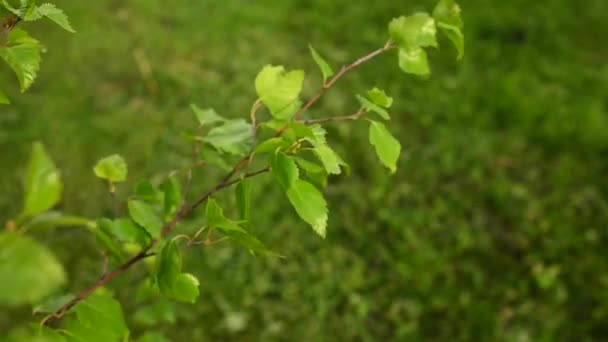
(224, 183)
(352, 117)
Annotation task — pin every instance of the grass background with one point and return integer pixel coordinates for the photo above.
(493, 228)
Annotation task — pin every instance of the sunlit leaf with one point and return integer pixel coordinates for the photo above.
(387, 147)
(112, 168)
(243, 200)
(125, 230)
(414, 61)
(53, 13)
(447, 15)
(310, 205)
(99, 313)
(22, 53)
(148, 192)
(379, 97)
(278, 89)
(3, 98)
(29, 271)
(417, 30)
(171, 281)
(326, 70)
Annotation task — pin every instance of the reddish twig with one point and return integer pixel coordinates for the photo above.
(224, 183)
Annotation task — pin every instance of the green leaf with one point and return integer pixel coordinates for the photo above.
(112, 168)
(28, 270)
(417, 30)
(278, 89)
(148, 192)
(326, 70)
(125, 230)
(314, 172)
(52, 219)
(33, 333)
(153, 336)
(330, 159)
(102, 313)
(42, 185)
(243, 199)
(448, 12)
(214, 216)
(159, 311)
(3, 98)
(234, 137)
(284, 170)
(173, 197)
(206, 116)
(22, 54)
(51, 12)
(272, 145)
(387, 147)
(370, 106)
(249, 242)
(414, 61)
(298, 130)
(146, 216)
(309, 204)
(379, 97)
(171, 282)
(447, 15)
(78, 332)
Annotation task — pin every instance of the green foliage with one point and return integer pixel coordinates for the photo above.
(447, 15)
(290, 140)
(28, 270)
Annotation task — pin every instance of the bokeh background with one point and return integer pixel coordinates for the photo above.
(493, 228)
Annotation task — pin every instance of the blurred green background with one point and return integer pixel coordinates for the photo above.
(493, 229)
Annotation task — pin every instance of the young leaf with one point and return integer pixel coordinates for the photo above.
(146, 216)
(3, 98)
(326, 70)
(171, 282)
(206, 116)
(52, 303)
(51, 12)
(243, 200)
(52, 219)
(417, 30)
(234, 137)
(447, 15)
(387, 147)
(22, 53)
(278, 89)
(28, 270)
(284, 170)
(78, 332)
(249, 242)
(42, 185)
(103, 313)
(370, 106)
(173, 197)
(379, 97)
(309, 204)
(330, 159)
(215, 158)
(112, 168)
(414, 61)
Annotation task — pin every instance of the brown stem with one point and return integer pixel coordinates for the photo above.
(8, 25)
(224, 183)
